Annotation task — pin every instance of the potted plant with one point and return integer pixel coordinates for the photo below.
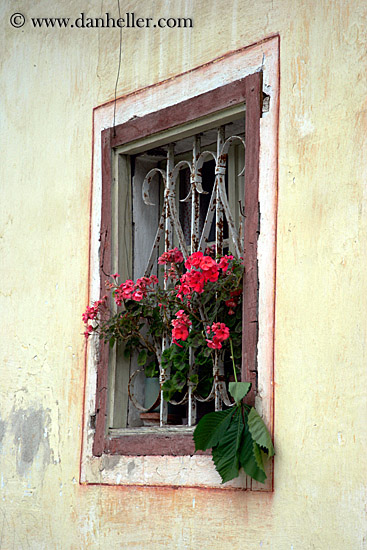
(185, 326)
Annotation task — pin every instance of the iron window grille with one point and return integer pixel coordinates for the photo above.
(236, 106)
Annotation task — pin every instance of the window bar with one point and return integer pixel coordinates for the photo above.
(218, 203)
(219, 251)
(168, 191)
(195, 198)
(204, 238)
(195, 215)
(220, 172)
(161, 226)
(168, 240)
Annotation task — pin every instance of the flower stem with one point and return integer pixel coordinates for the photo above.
(232, 357)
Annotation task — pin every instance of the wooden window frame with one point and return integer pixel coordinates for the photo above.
(247, 90)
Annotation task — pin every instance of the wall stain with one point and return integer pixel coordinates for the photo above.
(110, 462)
(130, 467)
(30, 427)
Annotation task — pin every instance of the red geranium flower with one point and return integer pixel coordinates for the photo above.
(221, 331)
(207, 263)
(171, 256)
(195, 280)
(194, 260)
(214, 344)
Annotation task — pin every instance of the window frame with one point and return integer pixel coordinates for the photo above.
(247, 90)
(192, 470)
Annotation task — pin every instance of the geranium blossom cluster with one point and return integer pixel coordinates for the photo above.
(218, 332)
(181, 326)
(233, 301)
(177, 327)
(134, 291)
(173, 256)
(91, 313)
(200, 270)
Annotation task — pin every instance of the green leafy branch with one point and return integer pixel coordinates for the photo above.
(237, 437)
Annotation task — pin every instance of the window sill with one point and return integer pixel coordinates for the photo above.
(151, 441)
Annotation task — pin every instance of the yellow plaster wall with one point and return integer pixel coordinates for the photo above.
(50, 81)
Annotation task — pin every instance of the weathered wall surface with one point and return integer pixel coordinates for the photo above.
(51, 80)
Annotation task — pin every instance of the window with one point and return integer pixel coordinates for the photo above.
(228, 216)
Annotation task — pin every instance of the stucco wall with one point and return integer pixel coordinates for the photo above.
(51, 80)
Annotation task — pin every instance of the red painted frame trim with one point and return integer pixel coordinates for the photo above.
(105, 260)
(251, 231)
(249, 90)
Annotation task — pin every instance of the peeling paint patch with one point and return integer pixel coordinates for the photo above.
(30, 433)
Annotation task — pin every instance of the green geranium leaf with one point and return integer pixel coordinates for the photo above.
(151, 370)
(169, 389)
(230, 322)
(179, 380)
(142, 357)
(259, 431)
(211, 428)
(200, 359)
(196, 341)
(194, 379)
(248, 460)
(180, 363)
(167, 354)
(226, 453)
(238, 390)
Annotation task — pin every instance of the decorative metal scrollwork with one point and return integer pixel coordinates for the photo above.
(169, 221)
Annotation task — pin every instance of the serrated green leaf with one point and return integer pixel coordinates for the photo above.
(258, 456)
(248, 460)
(259, 431)
(142, 357)
(226, 453)
(238, 390)
(211, 428)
